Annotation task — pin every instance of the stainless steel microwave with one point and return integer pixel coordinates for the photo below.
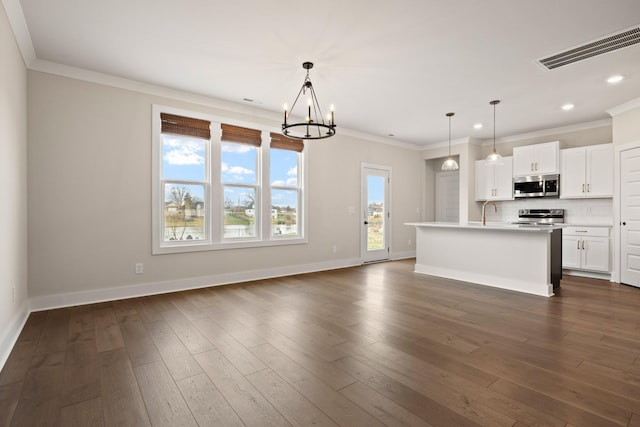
(536, 186)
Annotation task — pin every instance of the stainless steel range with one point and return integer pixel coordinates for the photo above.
(540, 216)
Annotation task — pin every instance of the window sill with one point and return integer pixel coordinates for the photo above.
(279, 241)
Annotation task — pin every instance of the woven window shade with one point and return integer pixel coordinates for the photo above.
(241, 135)
(179, 125)
(285, 143)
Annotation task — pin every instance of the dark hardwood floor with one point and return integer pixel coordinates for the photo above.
(366, 346)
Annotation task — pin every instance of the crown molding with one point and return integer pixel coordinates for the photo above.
(18, 24)
(623, 108)
(550, 132)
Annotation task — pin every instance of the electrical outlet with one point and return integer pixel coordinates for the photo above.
(335, 249)
(139, 268)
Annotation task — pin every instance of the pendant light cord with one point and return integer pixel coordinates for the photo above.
(449, 136)
(494, 103)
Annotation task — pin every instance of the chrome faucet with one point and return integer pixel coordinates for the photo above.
(484, 205)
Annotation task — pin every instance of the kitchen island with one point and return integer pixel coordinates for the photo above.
(521, 258)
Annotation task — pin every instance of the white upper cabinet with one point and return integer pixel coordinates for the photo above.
(494, 182)
(538, 159)
(586, 172)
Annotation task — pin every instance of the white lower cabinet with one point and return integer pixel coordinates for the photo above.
(586, 248)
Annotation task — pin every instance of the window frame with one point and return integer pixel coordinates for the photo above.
(214, 203)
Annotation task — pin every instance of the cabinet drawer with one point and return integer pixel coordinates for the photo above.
(586, 231)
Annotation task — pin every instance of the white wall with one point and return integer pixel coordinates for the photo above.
(13, 176)
(626, 126)
(90, 199)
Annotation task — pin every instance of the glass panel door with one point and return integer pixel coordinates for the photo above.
(375, 213)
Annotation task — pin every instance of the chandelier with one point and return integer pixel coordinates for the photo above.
(314, 125)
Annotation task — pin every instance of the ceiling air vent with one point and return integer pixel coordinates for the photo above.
(606, 44)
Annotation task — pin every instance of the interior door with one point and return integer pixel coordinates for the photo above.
(374, 241)
(630, 217)
(447, 196)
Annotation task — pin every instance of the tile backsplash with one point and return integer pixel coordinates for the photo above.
(576, 211)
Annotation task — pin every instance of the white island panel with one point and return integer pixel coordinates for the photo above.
(503, 256)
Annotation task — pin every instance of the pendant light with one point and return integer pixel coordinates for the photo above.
(494, 158)
(450, 164)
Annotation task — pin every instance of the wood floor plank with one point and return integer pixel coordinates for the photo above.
(18, 363)
(602, 403)
(438, 382)
(249, 404)
(291, 404)
(53, 338)
(381, 407)
(187, 332)
(81, 373)
(341, 410)
(555, 407)
(308, 359)
(9, 396)
(121, 398)
(235, 352)
(306, 340)
(423, 407)
(83, 414)
(139, 344)
(107, 329)
(161, 396)
(175, 355)
(40, 395)
(207, 404)
(81, 325)
(125, 310)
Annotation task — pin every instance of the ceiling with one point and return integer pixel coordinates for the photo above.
(388, 67)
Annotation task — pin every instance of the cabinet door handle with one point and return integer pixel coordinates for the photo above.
(583, 245)
(578, 244)
(588, 188)
(583, 188)
(536, 166)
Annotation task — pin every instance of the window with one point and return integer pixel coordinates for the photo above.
(218, 185)
(184, 183)
(239, 175)
(285, 190)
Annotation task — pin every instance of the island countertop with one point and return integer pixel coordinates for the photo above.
(493, 226)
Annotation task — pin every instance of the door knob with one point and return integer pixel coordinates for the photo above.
(366, 222)
(624, 223)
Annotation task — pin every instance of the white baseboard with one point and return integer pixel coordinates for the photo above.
(10, 335)
(48, 302)
(403, 255)
(589, 274)
(494, 281)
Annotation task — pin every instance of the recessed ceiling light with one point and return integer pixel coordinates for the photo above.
(391, 134)
(477, 126)
(615, 79)
(567, 107)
